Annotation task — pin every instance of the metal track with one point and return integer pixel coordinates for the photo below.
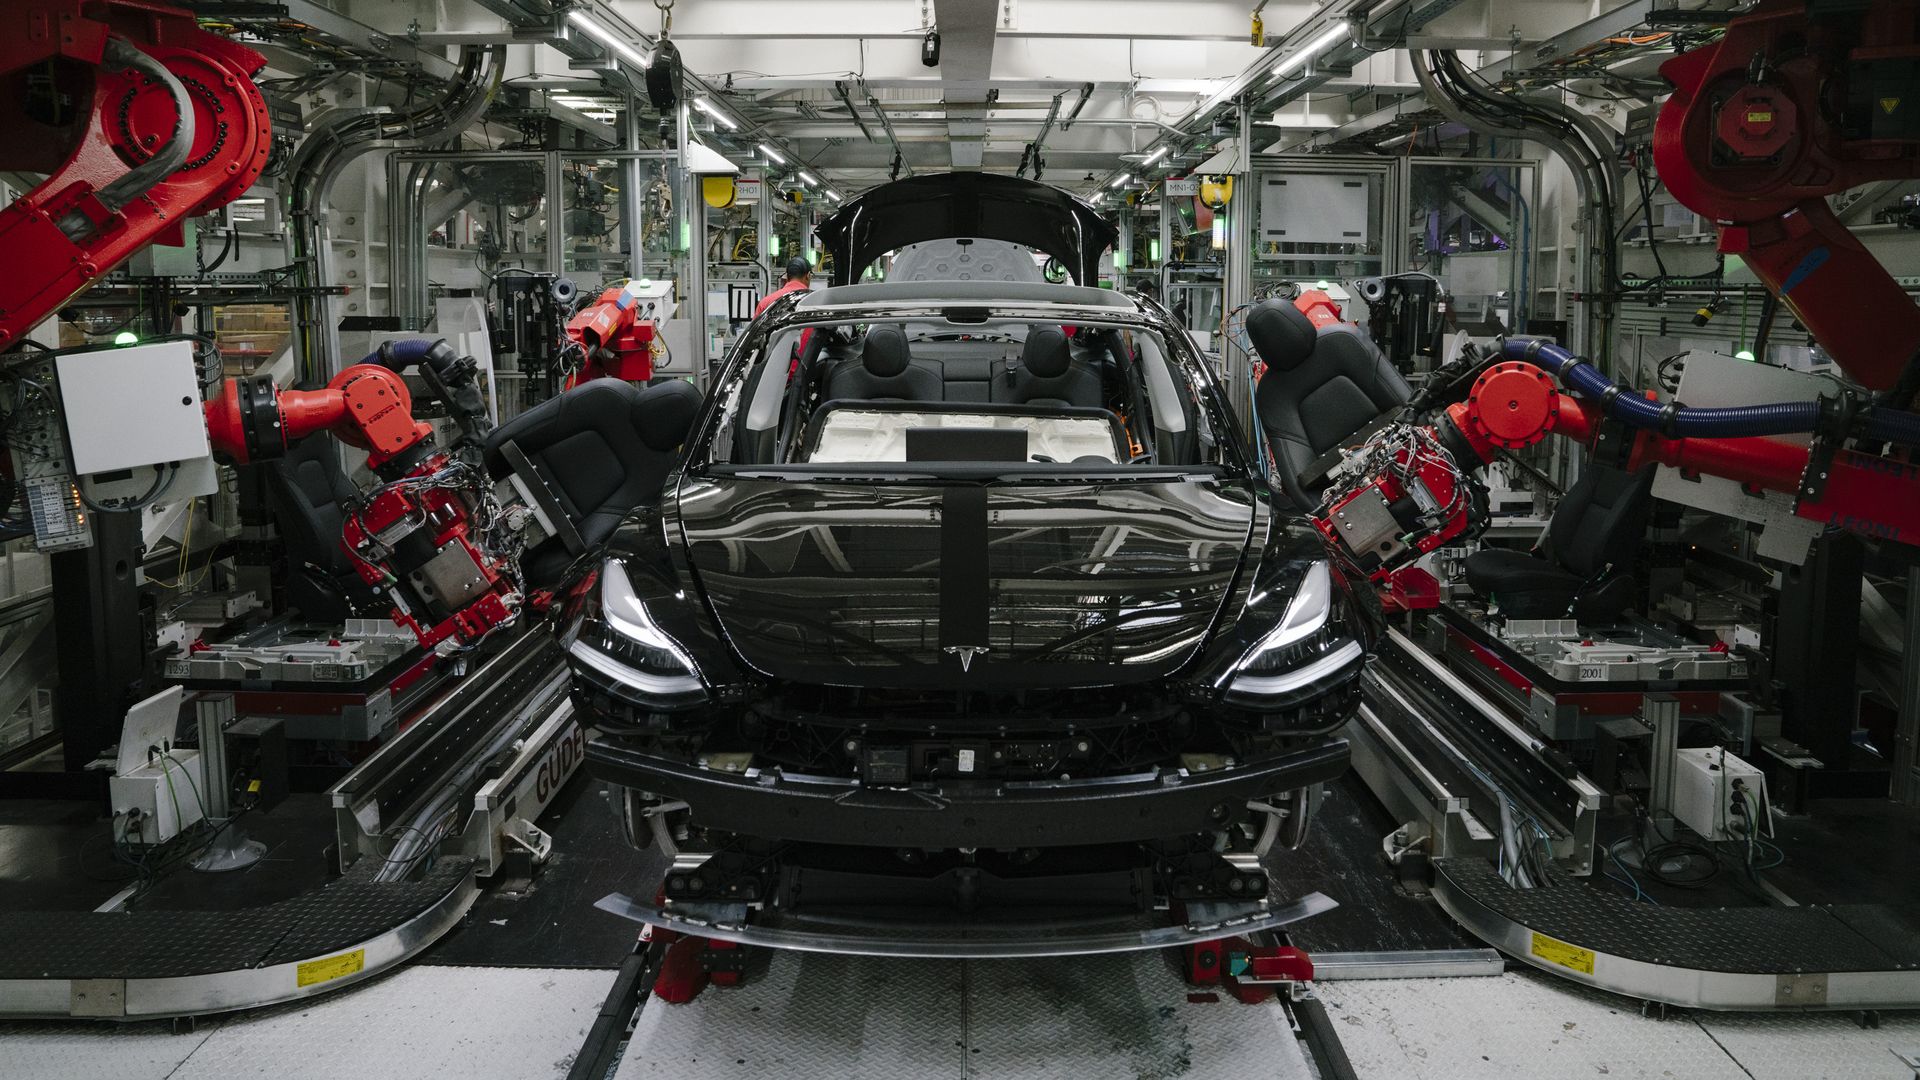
(1437, 752)
(514, 704)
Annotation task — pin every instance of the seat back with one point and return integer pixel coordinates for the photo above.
(601, 449)
(309, 493)
(1049, 374)
(886, 371)
(1600, 519)
(1320, 389)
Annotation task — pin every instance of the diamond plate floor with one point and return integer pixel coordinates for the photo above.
(1816, 1046)
(417, 1022)
(1532, 1026)
(883, 1019)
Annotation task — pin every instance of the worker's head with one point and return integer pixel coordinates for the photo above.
(799, 269)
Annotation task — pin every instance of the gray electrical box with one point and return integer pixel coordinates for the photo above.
(1314, 209)
(135, 406)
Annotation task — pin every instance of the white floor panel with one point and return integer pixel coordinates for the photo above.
(1520, 1025)
(856, 1018)
(420, 1022)
(417, 1022)
(72, 1050)
(1816, 1046)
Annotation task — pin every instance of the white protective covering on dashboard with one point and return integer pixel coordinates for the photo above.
(856, 435)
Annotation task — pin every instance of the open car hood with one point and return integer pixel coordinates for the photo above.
(907, 585)
(966, 205)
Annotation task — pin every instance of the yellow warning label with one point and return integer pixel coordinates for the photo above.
(352, 963)
(1888, 104)
(1555, 951)
(1760, 117)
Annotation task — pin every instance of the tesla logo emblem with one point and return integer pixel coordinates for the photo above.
(966, 653)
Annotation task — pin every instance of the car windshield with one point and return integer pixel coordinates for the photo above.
(936, 394)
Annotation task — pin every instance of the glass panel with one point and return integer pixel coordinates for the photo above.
(496, 209)
(1470, 224)
(1314, 226)
(598, 247)
(467, 220)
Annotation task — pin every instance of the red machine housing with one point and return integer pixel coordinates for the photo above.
(616, 337)
(1319, 308)
(124, 119)
(459, 592)
(1783, 111)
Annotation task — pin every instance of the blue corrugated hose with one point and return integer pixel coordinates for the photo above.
(401, 353)
(1627, 406)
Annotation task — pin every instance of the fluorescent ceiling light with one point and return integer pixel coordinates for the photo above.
(1336, 32)
(706, 106)
(1125, 179)
(608, 38)
(807, 178)
(1156, 156)
(577, 100)
(772, 155)
(834, 195)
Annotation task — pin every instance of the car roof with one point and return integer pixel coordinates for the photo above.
(966, 292)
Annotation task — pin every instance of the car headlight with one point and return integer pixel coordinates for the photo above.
(645, 664)
(1310, 647)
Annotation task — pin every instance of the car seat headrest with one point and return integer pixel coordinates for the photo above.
(885, 352)
(1046, 354)
(1281, 333)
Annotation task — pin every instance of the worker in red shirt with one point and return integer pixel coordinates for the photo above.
(799, 279)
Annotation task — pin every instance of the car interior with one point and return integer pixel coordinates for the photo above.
(1105, 395)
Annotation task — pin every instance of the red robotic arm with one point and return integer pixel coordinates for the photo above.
(1407, 492)
(127, 167)
(1784, 110)
(429, 538)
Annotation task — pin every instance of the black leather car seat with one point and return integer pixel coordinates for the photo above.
(1050, 375)
(1321, 388)
(1591, 539)
(600, 450)
(886, 372)
(309, 492)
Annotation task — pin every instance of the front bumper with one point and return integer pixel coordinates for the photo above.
(954, 938)
(775, 806)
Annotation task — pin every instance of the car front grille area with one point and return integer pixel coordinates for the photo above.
(892, 738)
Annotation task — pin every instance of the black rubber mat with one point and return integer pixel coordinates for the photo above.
(162, 944)
(1755, 940)
(1342, 858)
(552, 922)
